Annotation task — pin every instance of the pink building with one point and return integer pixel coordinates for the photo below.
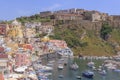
(1, 76)
(1, 49)
(59, 43)
(3, 29)
(3, 63)
(22, 59)
(3, 60)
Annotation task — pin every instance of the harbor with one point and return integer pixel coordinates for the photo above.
(60, 69)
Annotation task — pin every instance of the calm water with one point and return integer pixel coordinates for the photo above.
(71, 75)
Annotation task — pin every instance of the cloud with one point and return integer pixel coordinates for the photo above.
(53, 7)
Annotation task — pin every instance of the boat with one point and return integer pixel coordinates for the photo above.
(74, 66)
(65, 64)
(88, 74)
(51, 61)
(60, 76)
(67, 52)
(117, 70)
(60, 66)
(78, 77)
(91, 64)
(50, 64)
(103, 72)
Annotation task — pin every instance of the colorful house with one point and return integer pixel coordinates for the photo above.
(1, 49)
(59, 43)
(3, 29)
(22, 59)
(1, 76)
(3, 61)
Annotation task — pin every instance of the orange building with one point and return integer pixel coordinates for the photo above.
(26, 46)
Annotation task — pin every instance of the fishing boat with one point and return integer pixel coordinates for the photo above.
(74, 66)
(88, 74)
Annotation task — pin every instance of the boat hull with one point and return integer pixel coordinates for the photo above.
(87, 76)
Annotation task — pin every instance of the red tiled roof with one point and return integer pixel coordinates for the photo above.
(28, 46)
(3, 56)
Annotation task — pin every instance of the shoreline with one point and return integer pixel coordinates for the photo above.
(98, 57)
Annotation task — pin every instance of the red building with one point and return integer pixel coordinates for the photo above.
(22, 59)
(3, 29)
(1, 49)
(26, 46)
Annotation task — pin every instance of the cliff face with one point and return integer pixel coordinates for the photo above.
(88, 25)
(83, 37)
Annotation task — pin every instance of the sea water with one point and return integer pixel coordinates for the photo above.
(68, 74)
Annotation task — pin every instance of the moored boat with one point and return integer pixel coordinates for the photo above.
(117, 70)
(103, 72)
(60, 66)
(74, 66)
(88, 74)
(78, 77)
(91, 64)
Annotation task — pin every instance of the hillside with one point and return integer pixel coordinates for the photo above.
(83, 34)
(87, 42)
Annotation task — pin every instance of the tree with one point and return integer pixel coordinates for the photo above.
(105, 31)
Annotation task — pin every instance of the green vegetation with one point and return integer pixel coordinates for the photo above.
(72, 37)
(105, 31)
(33, 18)
(91, 44)
(115, 36)
(80, 40)
(96, 46)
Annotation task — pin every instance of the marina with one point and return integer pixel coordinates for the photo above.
(65, 73)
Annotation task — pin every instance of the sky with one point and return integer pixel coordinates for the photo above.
(11, 9)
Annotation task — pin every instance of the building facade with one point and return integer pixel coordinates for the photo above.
(3, 29)
(22, 59)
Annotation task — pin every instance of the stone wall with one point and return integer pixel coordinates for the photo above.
(88, 25)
